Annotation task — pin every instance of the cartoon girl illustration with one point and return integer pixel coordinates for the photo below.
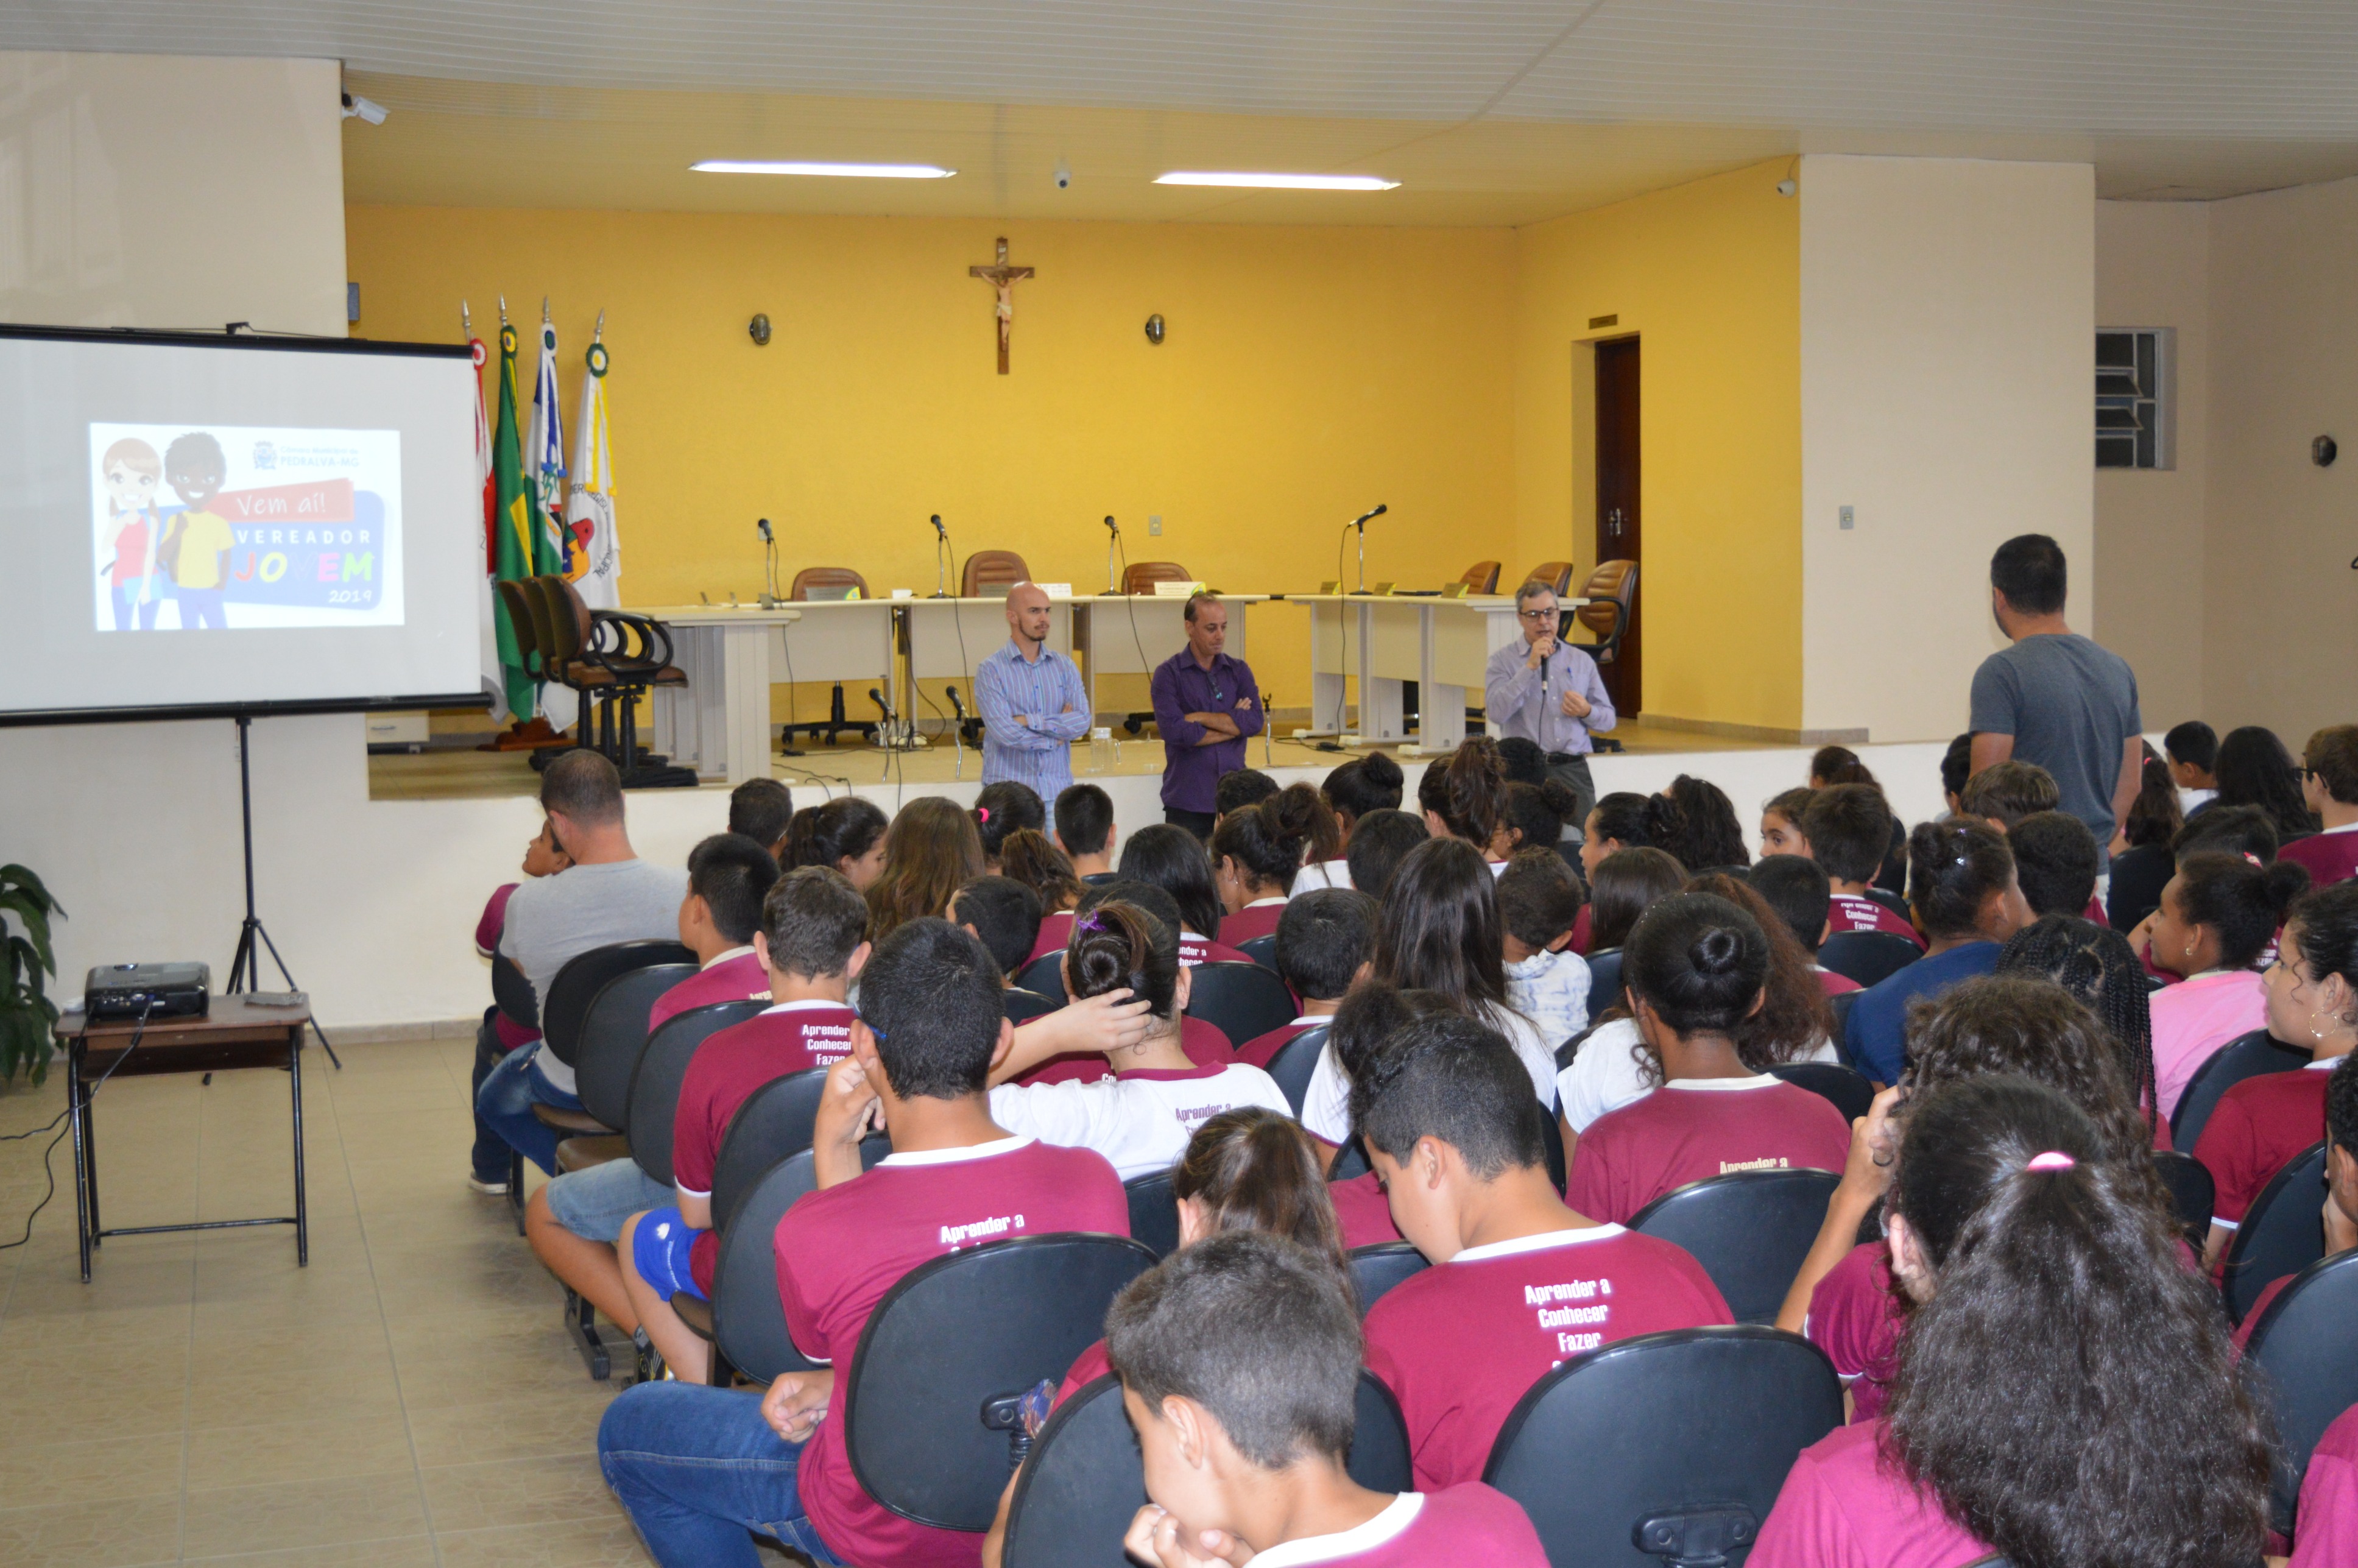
(131, 470)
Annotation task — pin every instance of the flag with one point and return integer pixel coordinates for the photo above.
(545, 461)
(487, 557)
(512, 555)
(596, 568)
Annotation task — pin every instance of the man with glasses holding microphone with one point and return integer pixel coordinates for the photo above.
(1548, 692)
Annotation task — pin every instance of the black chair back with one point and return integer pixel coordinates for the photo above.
(956, 1343)
(1351, 1160)
(1750, 1229)
(1296, 1060)
(2249, 1055)
(1689, 1432)
(2192, 1193)
(749, 1322)
(1045, 976)
(1604, 980)
(654, 1088)
(1551, 1141)
(512, 992)
(2301, 1346)
(1842, 1003)
(612, 1035)
(1023, 1005)
(1846, 1091)
(1154, 1212)
(1867, 957)
(1245, 1001)
(1378, 1459)
(1261, 950)
(773, 1122)
(583, 975)
(2283, 1234)
(1376, 1270)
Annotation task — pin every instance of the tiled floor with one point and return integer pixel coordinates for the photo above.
(408, 1399)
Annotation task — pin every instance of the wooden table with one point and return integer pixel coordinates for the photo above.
(235, 1033)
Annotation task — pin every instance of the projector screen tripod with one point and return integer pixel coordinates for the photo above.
(245, 968)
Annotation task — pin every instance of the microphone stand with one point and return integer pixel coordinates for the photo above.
(958, 729)
(1113, 543)
(941, 562)
(770, 599)
(1360, 523)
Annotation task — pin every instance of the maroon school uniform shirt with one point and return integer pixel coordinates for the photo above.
(1363, 1211)
(1455, 1526)
(1854, 1319)
(1461, 1342)
(841, 1248)
(2328, 1534)
(1205, 1042)
(733, 976)
(1253, 920)
(1195, 950)
(1261, 1047)
(2258, 1127)
(2329, 857)
(1835, 985)
(487, 942)
(1056, 934)
(1844, 1506)
(1855, 912)
(1693, 1129)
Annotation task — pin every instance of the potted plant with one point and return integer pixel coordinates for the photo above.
(26, 1015)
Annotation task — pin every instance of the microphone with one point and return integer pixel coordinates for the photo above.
(939, 532)
(882, 706)
(763, 524)
(1112, 528)
(1361, 521)
(958, 705)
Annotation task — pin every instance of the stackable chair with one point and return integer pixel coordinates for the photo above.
(747, 1319)
(613, 1033)
(1154, 1212)
(663, 1067)
(611, 658)
(2301, 1348)
(1296, 1060)
(829, 582)
(1750, 1229)
(2283, 1233)
(1604, 979)
(2252, 1056)
(1245, 1001)
(774, 1124)
(1867, 957)
(2192, 1193)
(1376, 1270)
(1848, 1092)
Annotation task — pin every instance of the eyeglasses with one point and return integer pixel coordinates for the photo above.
(1546, 614)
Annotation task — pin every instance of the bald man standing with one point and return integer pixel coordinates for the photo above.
(1031, 701)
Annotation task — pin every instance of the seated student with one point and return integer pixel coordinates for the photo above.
(2327, 1514)
(1798, 889)
(1694, 822)
(1359, 788)
(1140, 1117)
(1086, 831)
(1057, 1059)
(1834, 765)
(2067, 1383)
(1618, 821)
(1324, 947)
(1003, 808)
(2005, 793)
(1782, 832)
(1538, 902)
(1239, 1363)
(1028, 858)
(1368, 1017)
(1536, 815)
(1380, 840)
(764, 811)
(1457, 1139)
(703, 1470)
(607, 896)
(2194, 751)
(931, 851)
(2329, 784)
(2141, 860)
(1176, 860)
(1257, 853)
(728, 876)
(2341, 1184)
(2255, 769)
(813, 943)
(498, 1035)
(1466, 797)
(1697, 968)
(2055, 864)
(2094, 965)
(1004, 916)
(846, 834)
(1846, 827)
(1956, 768)
(1240, 791)
(1960, 880)
(2263, 1122)
(2218, 914)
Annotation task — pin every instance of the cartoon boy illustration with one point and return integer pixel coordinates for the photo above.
(196, 549)
(130, 470)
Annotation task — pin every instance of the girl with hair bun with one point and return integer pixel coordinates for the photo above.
(1696, 970)
(1138, 1116)
(2219, 915)
(1361, 787)
(1004, 808)
(1257, 853)
(1535, 815)
(2067, 1396)
(1466, 797)
(846, 834)
(1962, 887)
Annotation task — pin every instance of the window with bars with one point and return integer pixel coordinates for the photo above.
(2134, 397)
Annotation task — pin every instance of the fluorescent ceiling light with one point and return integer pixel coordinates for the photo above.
(1282, 181)
(836, 170)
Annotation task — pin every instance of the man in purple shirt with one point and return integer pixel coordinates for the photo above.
(1206, 704)
(1549, 692)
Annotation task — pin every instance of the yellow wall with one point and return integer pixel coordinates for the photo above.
(1708, 275)
(1308, 374)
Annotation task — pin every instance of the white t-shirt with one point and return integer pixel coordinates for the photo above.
(1320, 875)
(1605, 1075)
(1141, 1120)
(1327, 1103)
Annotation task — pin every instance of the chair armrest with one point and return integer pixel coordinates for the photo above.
(653, 637)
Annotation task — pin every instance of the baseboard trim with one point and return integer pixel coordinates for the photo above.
(422, 1032)
(1768, 732)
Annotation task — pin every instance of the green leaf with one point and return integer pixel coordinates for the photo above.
(36, 922)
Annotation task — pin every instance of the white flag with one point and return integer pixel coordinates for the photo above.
(595, 562)
(489, 650)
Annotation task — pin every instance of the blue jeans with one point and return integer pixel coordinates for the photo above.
(505, 1104)
(701, 1473)
(202, 607)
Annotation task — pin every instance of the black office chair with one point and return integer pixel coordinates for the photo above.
(1154, 1212)
(1848, 1092)
(1376, 1270)
(1604, 980)
(1379, 1458)
(1046, 977)
(1245, 1001)
(1750, 1229)
(1261, 950)
(1351, 1160)
(2301, 1348)
(1841, 1005)
(748, 1322)
(2283, 1233)
(1667, 1446)
(612, 1035)
(1296, 1060)
(1551, 1143)
(2192, 1193)
(773, 1124)
(2252, 1056)
(1023, 1006)
(1867, 957)
(931, 1418)
(654, 1088)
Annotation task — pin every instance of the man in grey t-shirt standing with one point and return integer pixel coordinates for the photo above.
(2055, 697)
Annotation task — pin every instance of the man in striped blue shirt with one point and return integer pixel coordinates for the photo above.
(1033, 704)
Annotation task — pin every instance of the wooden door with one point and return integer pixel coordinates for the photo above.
(1617, 525)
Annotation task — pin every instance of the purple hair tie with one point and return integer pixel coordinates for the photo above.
(1092, 921)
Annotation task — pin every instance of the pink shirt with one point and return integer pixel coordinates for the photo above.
(1854, 1317)
(2260, 1125)
(1456, 1525)
(2192, 1020)
(1693, 1129)
(1844, 1506)
(487, 943)
(1253, 920)
(1580, 933)
(1835, 985)
(1363, 1211)
(2328, 1519)
(1086, 1368)
(2329, 857)
(840, 1249)
(735, 976)
(1856, 912)
(1459, 1343)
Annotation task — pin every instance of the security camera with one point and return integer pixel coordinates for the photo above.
(367, 109)
(1063, 175)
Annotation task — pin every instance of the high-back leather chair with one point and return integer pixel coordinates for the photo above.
(2249, 1055)
(1482, 577)
(2301, 1348)
(1750, 1229)
(518, 607)
(2283, 1233)
(1140, 577)
(829, 582)
(990, 573)
(611, 658)
(1611, 594)
(1557, 575)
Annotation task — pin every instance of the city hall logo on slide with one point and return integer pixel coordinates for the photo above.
(266, 456)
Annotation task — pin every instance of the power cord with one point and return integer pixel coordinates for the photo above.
(63, 1115)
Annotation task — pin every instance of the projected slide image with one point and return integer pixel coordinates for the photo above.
(241, 527)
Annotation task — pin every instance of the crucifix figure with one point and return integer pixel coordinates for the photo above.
(1003, 277)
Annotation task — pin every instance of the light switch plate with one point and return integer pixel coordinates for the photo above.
(1155, 525)
(1847, 520)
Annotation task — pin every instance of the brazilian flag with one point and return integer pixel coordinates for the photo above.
(516, 510)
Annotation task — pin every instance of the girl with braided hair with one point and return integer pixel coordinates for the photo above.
(2097, 966)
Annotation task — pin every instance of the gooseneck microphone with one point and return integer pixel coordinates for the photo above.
(939, 532)
(1361, 521)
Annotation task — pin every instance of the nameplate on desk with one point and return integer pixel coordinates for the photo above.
(1330, 587)
(847, 591)
(1177, 590)
(904, 593)
(1055, 589)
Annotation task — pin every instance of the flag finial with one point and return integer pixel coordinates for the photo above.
(504, 309)
(543, 310)
(600, 334)
(466, 322)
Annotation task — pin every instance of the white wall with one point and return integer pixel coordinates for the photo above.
(1947, 308)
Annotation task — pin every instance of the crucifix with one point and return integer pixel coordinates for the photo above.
(1001, 277)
